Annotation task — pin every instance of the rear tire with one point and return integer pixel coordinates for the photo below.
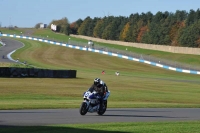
(105, 103)
(102, 110)
(83, 109)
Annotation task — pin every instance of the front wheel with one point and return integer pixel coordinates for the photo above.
(83, 109)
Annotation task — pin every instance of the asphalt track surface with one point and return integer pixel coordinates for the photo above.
(41, 117)
(10, 46)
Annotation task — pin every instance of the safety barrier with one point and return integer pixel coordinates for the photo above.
(13, 72)
(106, 53)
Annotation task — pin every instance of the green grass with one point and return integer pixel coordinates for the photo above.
(138, 85)
(40, 33)
(5, 64)
(190, 60)
(16, 31)
(145, 127)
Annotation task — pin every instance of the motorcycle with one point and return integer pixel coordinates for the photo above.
(91, 103)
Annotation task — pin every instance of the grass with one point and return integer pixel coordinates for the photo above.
(16, 31)
(190, 60)
(5, 64)
(132, 127)
(26, 93)
(138, 85)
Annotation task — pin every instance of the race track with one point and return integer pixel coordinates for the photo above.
(42, 117)
(71, 116)
(10, 46)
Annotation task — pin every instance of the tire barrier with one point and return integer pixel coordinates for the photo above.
(13, 72)
(107, 53)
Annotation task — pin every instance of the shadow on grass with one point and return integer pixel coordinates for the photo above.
(50, 129)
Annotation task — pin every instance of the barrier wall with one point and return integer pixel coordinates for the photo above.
(106, 53)
(171, 49)
(13, 72)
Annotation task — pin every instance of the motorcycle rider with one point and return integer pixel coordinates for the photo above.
(100, 87)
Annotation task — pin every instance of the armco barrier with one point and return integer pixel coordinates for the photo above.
(13, 72)
(107, 53)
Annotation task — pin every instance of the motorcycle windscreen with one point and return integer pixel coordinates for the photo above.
(93, 96)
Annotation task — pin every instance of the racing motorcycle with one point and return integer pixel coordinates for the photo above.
(91, 103)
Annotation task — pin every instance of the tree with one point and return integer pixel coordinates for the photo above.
(85, 27)
(123, 34)
(180, 16)
(191, 18)
(37, 26)
(78, 23)
(175, 32)
(189, 36)
(62, 25)
(98, 29)
(162, 28)
(112, 31)
(120, 23)
(142, 31)
(75, 26)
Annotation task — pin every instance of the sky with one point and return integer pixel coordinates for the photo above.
(27, 13)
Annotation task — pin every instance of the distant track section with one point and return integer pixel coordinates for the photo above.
(106, 53)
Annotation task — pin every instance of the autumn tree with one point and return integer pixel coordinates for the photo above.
(75, 26)
(123, 34)
(142, 31)
(163, 28)
(98, 29)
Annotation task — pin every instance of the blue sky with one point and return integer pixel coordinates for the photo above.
(27, 13)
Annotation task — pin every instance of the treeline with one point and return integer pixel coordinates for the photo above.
(62, 26)
(164, 28)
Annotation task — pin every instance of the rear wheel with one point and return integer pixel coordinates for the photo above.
(102, 108)
(83, 109)
(105, 104)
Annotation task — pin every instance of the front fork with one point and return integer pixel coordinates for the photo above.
(87, 102)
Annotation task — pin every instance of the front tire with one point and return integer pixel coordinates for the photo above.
(83, 109)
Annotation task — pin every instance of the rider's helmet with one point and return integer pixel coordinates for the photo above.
(97, 81)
